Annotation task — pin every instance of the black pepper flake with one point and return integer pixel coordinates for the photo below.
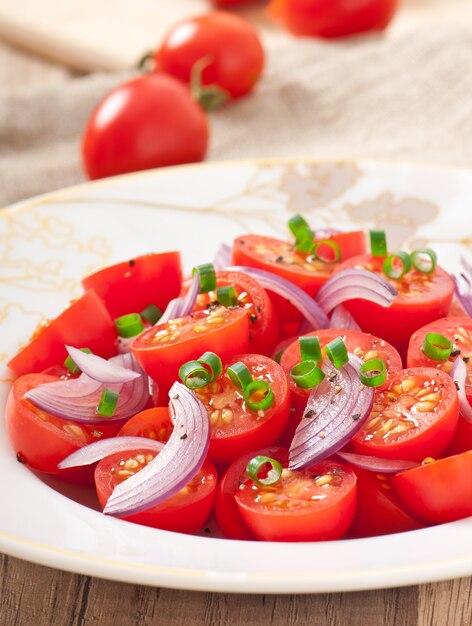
(207, 530)
(131, 262)
(332, 377)
(356, 416)
(457, 385)
(242, 241)
(310, 413)
(184, 436)
(279, 259)
(315, 475)
(175, 396)
(240, 484)
(466, 359)
(455, 352)
(258, 309)
(253, 318)
(20, 458)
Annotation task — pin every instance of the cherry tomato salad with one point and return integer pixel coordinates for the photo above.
(304, 389)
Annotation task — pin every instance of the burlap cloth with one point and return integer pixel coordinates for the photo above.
(404, 98)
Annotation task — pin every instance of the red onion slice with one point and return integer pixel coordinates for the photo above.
(341, 318)
(99, 369)
(463, 284)
(355, 283)
(223, 257)
(181, 458)
(307, 306)
(374, 464)
(459, 376)
(336, 409)
(179, 307)
(77, 399)
(100, 449)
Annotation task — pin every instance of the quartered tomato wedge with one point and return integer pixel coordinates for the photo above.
(422, 298)
(152, 423)
(42, 440)
(316, 504)
(129, 287)
(226, 511)
(413, 417)
(363, 345)
(438, 491)
(184, 512)
(162, 349)
(85, 323)
(459, 331)
(379, 510)
(253, 298)
(235, 429)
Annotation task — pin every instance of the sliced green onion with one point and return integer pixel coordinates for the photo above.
(257, 463)
(397, 265)
(258, 388)
(422, 264)
(279, 354)
(227, 295)
(321, 255)
(213, 362)
(239, 375)
(437, 347)
(107, 403)
(70, 364)
(207, 277)
(378, 243)
(310, 349)
(373, 373)
(302, 233)
(336, 351)
(129, 325)
(194, 375)
(152, 314)
(307, 374)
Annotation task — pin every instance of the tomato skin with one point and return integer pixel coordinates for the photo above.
(43, 440)
(162, 361)
(324, 521)
(332, 18)
(47, 347)
(129, 287)
(379, 510)
(432, 436)
(407, 313)
(462, 440)
(226, 446)
(438, 492)
(230, 43)
(180, 513)
(149, 121)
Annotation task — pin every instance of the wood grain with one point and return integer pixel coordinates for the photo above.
(32, 595)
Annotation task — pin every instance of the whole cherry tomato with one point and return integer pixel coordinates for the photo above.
(227, 46)
(333, 18)
(150, 121)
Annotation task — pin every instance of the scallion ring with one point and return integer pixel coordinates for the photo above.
(397, 265)
(152, 314)
(421, 264)
(255, 390)
(323, 256)
(257, 463)
(373, 373)
(227, 295)
(70, 364)
(129, 325)
(302, 233)
(207, 277)
(336, 351)
(213, 362)
(307, 374)
(194, 375)
(239, 375)
(107, 403)
(310, 349)
(437, 347)
(378, 243)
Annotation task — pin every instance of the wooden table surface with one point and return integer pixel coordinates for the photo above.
(33, 595)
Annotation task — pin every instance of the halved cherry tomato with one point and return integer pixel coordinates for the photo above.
(162, 349)
(413, 417)
(440, 491)
(228, 44)
(361, 344)
(226, 511)
(316, 504)
(184, 512)
(235, 429)
(128, 287)
(85, 323)
(263, 326)
(379, 510)
(42, 440)
(152, 423)
(459, 331)
(422, 298)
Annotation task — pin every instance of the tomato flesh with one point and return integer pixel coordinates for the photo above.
(184, 512)
(316, 504)
(413, 417)
(154, 423)
(440, 491)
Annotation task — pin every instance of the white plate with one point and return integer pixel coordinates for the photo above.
(48, 243)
